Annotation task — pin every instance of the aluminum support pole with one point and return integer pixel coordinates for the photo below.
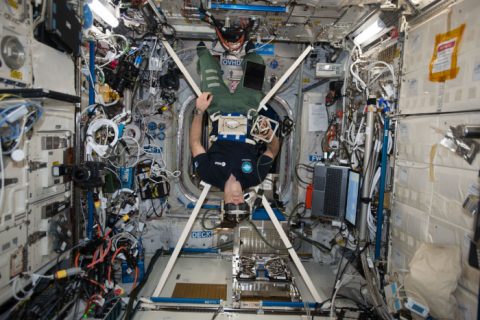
(367, 170)
(293, 254)
(181, 240)
(370, 275)
(284, 78)
(127, 101)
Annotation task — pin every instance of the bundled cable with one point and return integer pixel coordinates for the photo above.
(101, 148)
(231, 38)
(100, 260)
(16, 119)
(112, 44)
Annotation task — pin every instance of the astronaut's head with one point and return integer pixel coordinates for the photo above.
(234, 206)
(232, 191)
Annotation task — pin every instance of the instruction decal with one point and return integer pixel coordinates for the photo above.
(315, 158)
(202, 234)
(317, 117)
(443, 65)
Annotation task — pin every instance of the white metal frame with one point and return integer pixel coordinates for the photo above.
(186, 231)
(206, 187)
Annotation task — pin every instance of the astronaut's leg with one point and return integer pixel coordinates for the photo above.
(211, 80)
(248, 98)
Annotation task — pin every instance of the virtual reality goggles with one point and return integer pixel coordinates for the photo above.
(235, 212)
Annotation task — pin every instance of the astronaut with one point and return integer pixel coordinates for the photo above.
(230, 165)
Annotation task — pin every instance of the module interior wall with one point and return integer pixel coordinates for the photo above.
(419, 94)
(165, 232)
(430, 186)
(309, 147)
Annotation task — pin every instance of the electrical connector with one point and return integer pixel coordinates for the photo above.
(61, 274)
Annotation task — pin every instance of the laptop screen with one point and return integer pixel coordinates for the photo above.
(352, 197)
(254, 75)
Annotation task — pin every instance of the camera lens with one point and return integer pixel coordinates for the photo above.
(80, 174)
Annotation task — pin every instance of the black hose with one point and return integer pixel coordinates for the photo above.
(317, 244)
(130, 310)
(204, 217)
(265, 240)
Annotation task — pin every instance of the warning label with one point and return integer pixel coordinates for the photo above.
(444, 56)
(443, 65)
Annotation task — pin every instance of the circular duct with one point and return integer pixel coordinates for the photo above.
(13, 52)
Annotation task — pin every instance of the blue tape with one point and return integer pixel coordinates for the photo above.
(130, 277)
(246, 7)
(121, 127)
(261, 214)
(191, 205)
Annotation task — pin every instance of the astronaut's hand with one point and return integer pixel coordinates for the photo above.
(203, 101)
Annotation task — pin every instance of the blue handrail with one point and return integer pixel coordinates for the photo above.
(383, 175)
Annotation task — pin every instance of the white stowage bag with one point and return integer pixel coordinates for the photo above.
(433, 277)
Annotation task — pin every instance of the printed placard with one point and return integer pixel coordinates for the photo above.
(443, 65)
(202, 234)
